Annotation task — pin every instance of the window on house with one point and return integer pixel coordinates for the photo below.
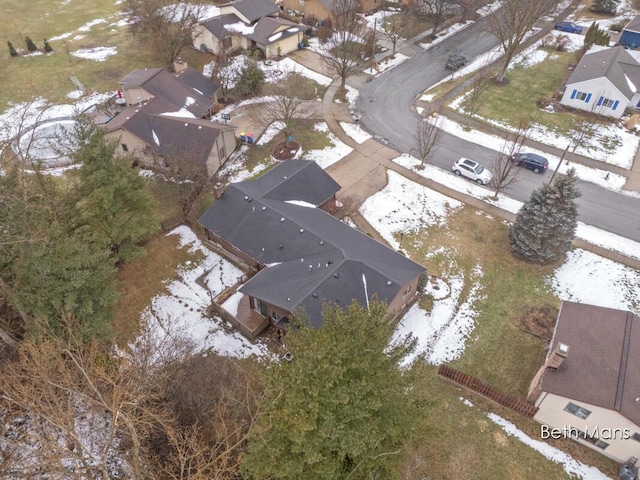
(607, 103)
(222, 153)
(581, 96)
(407, 291)
(124, 147)
(636, 436)
(275, 315)
(577, 410)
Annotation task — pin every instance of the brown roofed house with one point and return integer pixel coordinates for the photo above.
(165, 119)
(589, 387)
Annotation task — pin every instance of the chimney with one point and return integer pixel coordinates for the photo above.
(218, 190)
(557, 356)
(179, 65)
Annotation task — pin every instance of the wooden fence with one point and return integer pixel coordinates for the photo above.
(486, 390)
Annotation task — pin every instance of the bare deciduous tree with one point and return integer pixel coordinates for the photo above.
(504, 170)
(289, 102)
(436, 10)
(512, 22)
(391, 27)
(478, 93)
(165, 28)
(341, 52)
(428, 134)
(225, 73)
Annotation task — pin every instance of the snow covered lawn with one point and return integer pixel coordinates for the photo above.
(355, 132)
(176, 324)
(329, 155)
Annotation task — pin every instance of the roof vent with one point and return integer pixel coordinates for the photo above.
(310, 267)
(302, 230)
(301, 260)
(330, 262)
(288, 299)
(199, 127)
(558, 356)
(314, 294)
(248, 199)
(186, 124)
(336, 275)
(263, 249)
(389, 282)
(321, 242)
(282, 219)
(264, 208)
(280, 247)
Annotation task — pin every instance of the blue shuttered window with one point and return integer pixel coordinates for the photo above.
(573, 94)
(600, 100)
(615, 105)
(588, 98)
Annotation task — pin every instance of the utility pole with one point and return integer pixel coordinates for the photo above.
(373, 47)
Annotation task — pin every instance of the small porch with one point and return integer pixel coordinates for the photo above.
(235, 307)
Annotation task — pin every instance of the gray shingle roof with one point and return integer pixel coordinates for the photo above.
(216, 24)
(633, 25)
(603, 361)
(615, 64)
(312, 255)
(266, 26)
(254, 9)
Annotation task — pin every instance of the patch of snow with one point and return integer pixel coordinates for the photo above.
(588, 278)
(276, 71)
(275, 36)
(570, 465)
(631, 85)
(530, 57)
(387, 64)
(490, 8)
(300, 203)
(608, 240)
(466, 402)
(99, 54)
(189, 101)
(352, 95)
(78, 37)
(446, 33)
(155, 137)
(74, 94)
(272, 130)
(232, 303)
(355, 132)
(182, 113)
(176, 324)
(240, 27)
(404, 206)
(195, 89)
(87, 26)
(331, 154)
(60, 37)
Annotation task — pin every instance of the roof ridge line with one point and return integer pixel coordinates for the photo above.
(624, 358)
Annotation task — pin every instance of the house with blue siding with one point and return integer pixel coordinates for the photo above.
(630, 36)
(606, 82)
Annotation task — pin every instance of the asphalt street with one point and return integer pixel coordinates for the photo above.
(385, 105)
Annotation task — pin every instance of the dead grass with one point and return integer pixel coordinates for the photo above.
(143, 279)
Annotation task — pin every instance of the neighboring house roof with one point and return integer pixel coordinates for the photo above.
(265, 31)
(615, 64)
(603, 361)
(216, 24)
(254, 9)
(633, 25)
(311, 256)
(187, 89)
(169, 132)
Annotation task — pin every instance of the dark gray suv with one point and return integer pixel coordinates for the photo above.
(454, 62)
(532, 161)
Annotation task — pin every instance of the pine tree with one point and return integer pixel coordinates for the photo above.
(546, 223)
(30, 45)
(605, 6)
(590, 36)
(116, 206)
(340, 405)
(47, 47)
(12, 51)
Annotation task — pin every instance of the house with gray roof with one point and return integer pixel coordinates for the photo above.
(589, 387)
(324, 9)
(165, 123)
(303, 256)
(630, 36)
(245, 24)
(605, 82)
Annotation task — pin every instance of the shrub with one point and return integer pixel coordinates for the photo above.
(616, 27)
(47, 47)
(30, 45)
(12, 51)
(250, 80)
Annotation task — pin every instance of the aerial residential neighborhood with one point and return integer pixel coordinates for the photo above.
(341, 239)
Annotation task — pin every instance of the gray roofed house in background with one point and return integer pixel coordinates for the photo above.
(252, 10)
(265, 30)
(216, 24)
(306, 256)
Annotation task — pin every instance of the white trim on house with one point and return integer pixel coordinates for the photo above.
(592, 96)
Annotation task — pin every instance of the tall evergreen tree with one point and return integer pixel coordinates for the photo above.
(342, 406)
(115, 203)
(47, 47)
(30, 45)
(590, 36)
(546, 223)
(12, 51)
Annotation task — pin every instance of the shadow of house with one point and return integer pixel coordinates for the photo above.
(246, 24)
(279, 224)
(165, 117)
(589, 387)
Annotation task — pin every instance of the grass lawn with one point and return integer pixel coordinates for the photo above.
(143, 279)
(461, 442)
(24, 78)
(409, 25)
(517, 100)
